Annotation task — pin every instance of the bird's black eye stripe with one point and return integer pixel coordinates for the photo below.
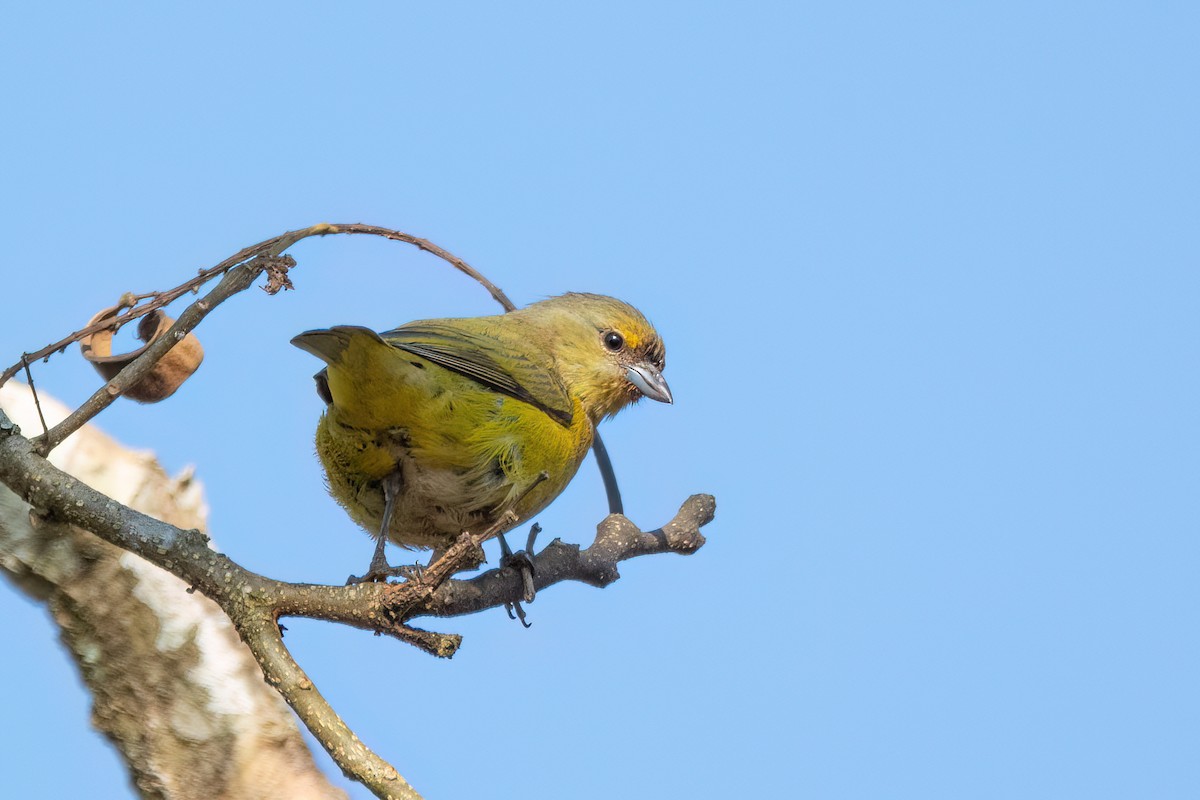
(613, 340)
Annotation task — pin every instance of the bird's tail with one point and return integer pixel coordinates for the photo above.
(330, 344)
(356, 383)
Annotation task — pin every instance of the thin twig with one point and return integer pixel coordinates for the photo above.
(160, 299)
(234, 281)
(615, 506)
(275, 245)
(33, 390)
(428, 246)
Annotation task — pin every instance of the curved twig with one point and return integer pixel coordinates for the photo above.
(273, 246)
(611, 489)
(429, 247)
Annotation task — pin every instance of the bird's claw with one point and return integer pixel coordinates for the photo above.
(524, 564)
(380, 572)
(520, 613)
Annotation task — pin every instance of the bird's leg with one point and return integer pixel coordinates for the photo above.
(379, 569)
(522, 561)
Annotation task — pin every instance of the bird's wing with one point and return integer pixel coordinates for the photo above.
(493, 363)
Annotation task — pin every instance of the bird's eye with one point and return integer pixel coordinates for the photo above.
(614, 341)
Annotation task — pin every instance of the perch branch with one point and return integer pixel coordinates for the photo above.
(254, 603)
(617, 539)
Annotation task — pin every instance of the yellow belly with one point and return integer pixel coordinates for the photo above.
(465, 456)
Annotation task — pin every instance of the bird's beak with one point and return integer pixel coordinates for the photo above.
(649, 382)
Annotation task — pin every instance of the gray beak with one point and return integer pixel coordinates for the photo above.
(649, 382)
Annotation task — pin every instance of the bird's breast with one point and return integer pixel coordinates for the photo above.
(463, 461)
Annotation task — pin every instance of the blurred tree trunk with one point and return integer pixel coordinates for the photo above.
(173, 687)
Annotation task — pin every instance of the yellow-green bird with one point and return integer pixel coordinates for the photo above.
(442, 426)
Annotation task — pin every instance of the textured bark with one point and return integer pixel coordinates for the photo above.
(173, 686)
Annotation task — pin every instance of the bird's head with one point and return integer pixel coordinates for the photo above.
(608, 354)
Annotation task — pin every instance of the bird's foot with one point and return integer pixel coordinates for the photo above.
(522, 562)
(515, 611)
(381, 570)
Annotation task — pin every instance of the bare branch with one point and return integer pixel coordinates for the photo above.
(269, 247)
(617, 539)
(234, 281)
(261, 635)
(33, 390)
(157, 300)
(254, 602)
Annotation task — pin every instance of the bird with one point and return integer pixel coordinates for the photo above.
(442, 426)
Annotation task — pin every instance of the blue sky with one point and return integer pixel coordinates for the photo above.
(927, 276)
